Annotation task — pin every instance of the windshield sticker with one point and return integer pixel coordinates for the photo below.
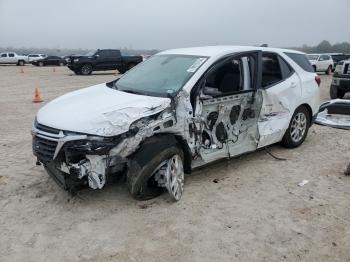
(196, 65)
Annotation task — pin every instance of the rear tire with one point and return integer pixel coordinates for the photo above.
(86, 69)
(298, 128)
(329, 70)
(335, 93)
(61, 64)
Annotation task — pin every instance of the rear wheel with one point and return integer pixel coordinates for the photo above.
(86, 69)
(298, 128)
(329, 70)
(61, 64)
(335, 93)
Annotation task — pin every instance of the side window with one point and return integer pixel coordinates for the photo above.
(225, 79)
(302, 61)
(11, 55)
(271, 71)
(103, 53)
(3, 55)
(324, 57)
(285, 68)
(115, 53)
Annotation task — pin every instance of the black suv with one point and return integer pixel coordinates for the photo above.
(102, 60)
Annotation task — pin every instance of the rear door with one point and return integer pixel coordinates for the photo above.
(12, 58)
(229, 105)
(323, 62)
(281, 91)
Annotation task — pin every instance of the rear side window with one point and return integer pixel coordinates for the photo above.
(302, 61)
(11, 55)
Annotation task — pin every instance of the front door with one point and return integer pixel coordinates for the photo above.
(281, 90)
(228, 105)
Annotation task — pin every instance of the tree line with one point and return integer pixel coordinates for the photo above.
(323, 47)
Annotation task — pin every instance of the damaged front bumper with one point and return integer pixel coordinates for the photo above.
(76, 160)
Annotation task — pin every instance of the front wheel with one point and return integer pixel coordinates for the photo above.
(41, 64)
(335, 93)
(298, 128)
(20, 63)
(164, 170)
(86, 69)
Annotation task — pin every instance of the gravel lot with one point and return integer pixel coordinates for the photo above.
(255, 211)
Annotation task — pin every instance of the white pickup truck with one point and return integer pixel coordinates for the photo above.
(12, 58)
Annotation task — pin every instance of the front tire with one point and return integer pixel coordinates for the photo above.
(141, 176)
(20, 63)
(86, 69)
(298, 128)
(41, 64)
(335, 93)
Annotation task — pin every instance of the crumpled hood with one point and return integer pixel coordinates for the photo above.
(99, 110)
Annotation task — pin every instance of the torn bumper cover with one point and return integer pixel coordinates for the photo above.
(335, 113)
(76, 160)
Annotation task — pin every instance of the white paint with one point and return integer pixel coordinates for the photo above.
(99, 110)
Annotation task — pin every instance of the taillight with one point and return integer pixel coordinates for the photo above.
(318, 80)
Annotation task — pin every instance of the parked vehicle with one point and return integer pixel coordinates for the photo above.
(12, 58)
(321, 62)
(102, 60)
(339, 57)
(50, 60)
(34, 57)
(178, 110)
(335, 113)
(341, 80)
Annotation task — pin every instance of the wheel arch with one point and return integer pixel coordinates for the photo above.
(308, 108)
(146, 150)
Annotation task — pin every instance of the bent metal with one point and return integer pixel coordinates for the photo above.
(178, 110)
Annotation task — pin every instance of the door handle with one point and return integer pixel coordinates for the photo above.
(293, 84)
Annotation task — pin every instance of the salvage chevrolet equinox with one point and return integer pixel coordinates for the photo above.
(176, 111)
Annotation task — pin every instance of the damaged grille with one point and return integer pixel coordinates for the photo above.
(44, 148)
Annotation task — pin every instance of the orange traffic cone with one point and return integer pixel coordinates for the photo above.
(37, 97)
(54, 69)
(21, 71)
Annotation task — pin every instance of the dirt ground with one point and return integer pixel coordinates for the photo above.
(254, 212)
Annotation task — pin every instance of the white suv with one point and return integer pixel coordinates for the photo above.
(321, 62)
(178, 110)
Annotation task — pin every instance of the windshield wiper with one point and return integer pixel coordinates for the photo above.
(132, 91)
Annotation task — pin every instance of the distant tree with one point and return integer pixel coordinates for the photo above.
(324, 47)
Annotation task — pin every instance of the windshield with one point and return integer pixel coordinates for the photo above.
(160, 74)
(312, 57)
(91, 53)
